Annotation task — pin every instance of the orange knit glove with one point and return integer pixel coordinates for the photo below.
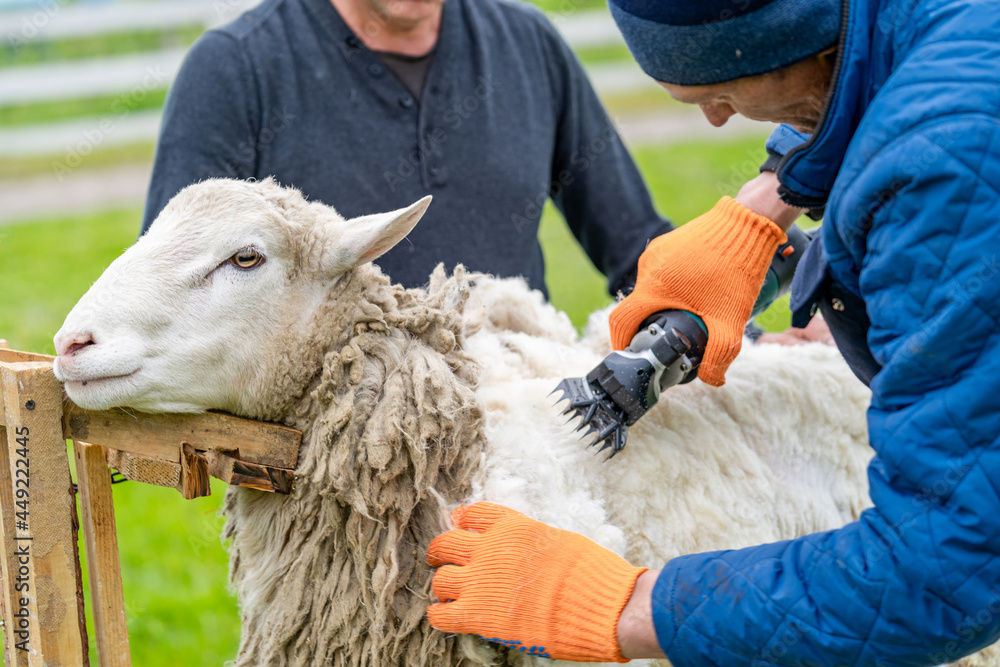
(529, 586)
(714, 267)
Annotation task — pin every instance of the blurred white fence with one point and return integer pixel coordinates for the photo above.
(140, 73)
(54, 19)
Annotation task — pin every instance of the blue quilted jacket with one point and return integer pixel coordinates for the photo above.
(907, 161)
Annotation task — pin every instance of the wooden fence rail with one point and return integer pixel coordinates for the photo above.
(42, 602)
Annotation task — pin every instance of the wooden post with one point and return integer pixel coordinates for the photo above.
(103, 566)
(44, 506)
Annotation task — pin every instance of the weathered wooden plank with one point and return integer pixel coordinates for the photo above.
(16, 356)
(141, 469)
(194, 474)
(159, 436)
(103, 566)
(45, 536)
(221, 465)
(235, 472)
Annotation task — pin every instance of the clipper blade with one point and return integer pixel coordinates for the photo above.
(596, 411)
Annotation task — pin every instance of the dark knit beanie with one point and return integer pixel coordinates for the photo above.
(701, 42)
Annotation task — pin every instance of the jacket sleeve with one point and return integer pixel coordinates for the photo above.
(783, 139)
(595, 182)
(209, 127)
(916, 580)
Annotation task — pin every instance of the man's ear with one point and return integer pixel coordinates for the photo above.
(370, 236)
(829, 56)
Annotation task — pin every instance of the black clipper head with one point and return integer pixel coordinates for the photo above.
(627, 383)
(613, 396)
(598, 413)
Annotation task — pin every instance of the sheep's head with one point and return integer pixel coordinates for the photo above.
(180, 322)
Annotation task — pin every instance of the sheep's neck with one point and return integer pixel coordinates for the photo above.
(393, 435)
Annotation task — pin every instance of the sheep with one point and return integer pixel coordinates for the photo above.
(244, 297)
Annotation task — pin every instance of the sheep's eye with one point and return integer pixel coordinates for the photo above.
(246, 258)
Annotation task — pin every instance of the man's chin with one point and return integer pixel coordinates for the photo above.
(803, 126)
(412, 10)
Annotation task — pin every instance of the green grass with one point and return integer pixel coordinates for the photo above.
(645, 101)
(605, 53)
(102, 156)
(558, 8)
(46, 267)
(108, 106)
(173, 564)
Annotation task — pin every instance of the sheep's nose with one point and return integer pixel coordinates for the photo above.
(67, 344)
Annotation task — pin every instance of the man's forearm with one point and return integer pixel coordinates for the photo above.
(761, 196)
(636, 632)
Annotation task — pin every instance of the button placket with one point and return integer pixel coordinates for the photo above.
(431, 146)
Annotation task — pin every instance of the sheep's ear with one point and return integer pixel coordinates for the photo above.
(370, 236)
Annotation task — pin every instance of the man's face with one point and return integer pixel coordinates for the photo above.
(795, 95)
(405, 12)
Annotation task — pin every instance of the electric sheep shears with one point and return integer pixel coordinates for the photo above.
(666, 351)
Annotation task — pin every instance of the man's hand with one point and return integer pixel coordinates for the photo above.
(761, 196)
(816, 331)
(538, 589)
(713, 267)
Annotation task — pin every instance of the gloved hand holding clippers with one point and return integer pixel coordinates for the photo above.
(712, 267)
(696, 288)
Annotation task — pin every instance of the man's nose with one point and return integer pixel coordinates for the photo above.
(717, 113)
